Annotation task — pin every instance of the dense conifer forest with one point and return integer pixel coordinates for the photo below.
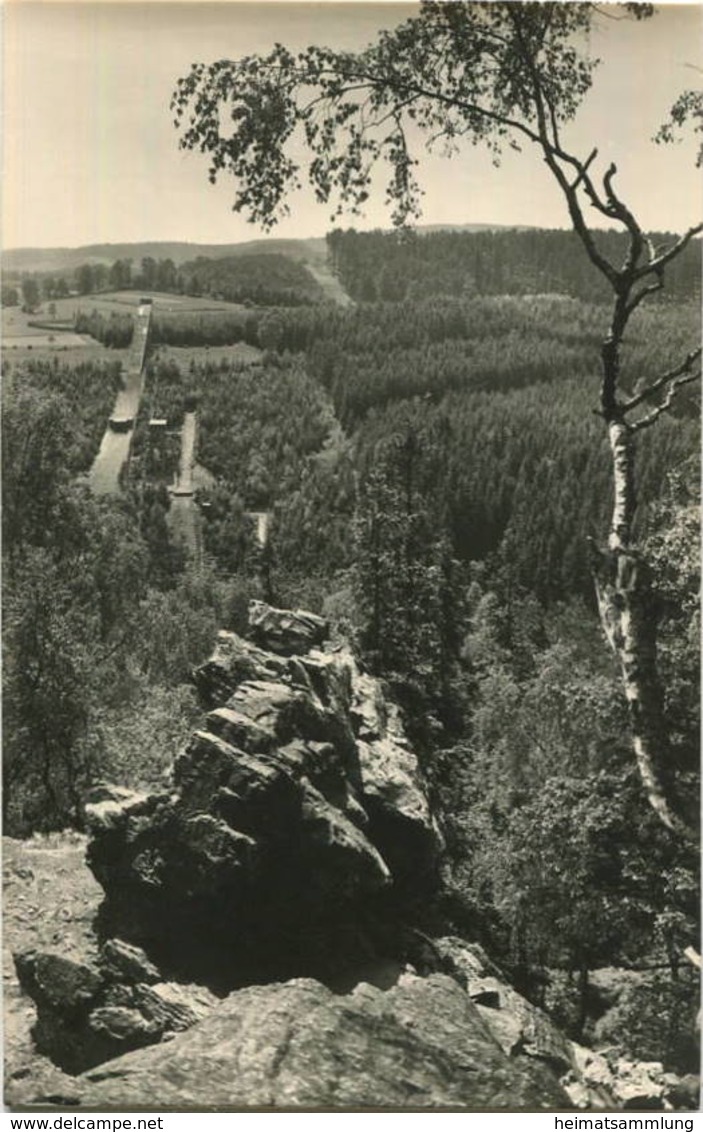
(408, 264)
(434, 472)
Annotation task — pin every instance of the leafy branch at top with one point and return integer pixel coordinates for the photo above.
(457, 72)
(688, 109)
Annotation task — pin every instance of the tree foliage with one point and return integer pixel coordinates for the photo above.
(264, 280)
(408, 585)
(687, 110)
(457, 71)
(116, 331)
(552, 847)
(82, 577)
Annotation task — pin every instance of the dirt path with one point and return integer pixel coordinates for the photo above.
(262, 520)
(317, 265)
(330, 284)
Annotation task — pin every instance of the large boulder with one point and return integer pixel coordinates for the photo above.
(90, 1013)
(420, 1045)
(286, 631)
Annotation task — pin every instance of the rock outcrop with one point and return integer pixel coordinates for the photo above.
(286, 867)
(421, 1045)
(296, 830)
(233, 661)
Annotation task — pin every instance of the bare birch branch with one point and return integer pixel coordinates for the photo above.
(666, 257)
(661, 382)
(645, 422)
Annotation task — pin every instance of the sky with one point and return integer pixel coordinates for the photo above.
(90, 153)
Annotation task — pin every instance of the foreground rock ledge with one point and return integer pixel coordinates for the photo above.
(421, 1044)
(296, 839)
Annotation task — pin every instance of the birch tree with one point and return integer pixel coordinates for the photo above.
(497, 75)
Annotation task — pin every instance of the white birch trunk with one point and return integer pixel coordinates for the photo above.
(623, 505)
(629, 624)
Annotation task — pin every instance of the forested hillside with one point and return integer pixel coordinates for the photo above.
(380, 352)
(262, 279)
(394, 266)
(257, 279)
(102, 622)
(434, 470)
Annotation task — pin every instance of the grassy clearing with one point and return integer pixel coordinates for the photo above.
(70, 350)
(118, 300)
(16, 322)
(62, 338)
(331, 287)
(184, 356)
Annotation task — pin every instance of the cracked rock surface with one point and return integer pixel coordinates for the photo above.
(421, 1044)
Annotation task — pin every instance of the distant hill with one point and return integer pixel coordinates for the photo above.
(58, 260)
(428, 228)
(68, 259)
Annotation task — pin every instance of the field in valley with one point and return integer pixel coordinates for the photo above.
(23, 339)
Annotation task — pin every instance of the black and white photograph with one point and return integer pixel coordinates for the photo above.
(351, 360)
